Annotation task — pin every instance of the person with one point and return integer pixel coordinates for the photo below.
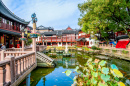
(3, 46)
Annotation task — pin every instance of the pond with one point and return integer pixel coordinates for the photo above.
(56, 77)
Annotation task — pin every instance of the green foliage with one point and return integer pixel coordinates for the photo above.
(85, 48)
(28, 41)
(97, 73)
(95, 48)
(104, 16)
(125, 52)
(107, 50)
(0, 19)
(114, 51)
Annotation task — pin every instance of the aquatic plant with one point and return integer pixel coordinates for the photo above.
(97, 73)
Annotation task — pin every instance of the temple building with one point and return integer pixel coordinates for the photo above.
(10, 26)
(40, 30)
(60, 37)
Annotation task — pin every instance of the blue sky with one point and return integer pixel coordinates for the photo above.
(58, 14)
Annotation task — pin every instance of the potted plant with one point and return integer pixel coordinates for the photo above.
(34, 35)
(22, 38)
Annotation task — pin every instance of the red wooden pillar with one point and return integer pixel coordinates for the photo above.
(1, 22)
(14, 25)
(4, 40)
(18, 26)
(13, 42)
(51, 38)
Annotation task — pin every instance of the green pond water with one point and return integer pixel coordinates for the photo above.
(56, 77)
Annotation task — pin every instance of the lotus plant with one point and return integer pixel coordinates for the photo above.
(97, 73)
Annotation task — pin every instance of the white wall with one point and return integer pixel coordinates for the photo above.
(91, 42)
(60, 44)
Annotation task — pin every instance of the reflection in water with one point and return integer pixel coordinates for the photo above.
(66, 64)
(55, 77)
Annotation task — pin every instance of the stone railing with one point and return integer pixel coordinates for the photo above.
(111, 46)
(120, 53)
(12, 49)
(12, 68)
(4, 54)
(40, 48)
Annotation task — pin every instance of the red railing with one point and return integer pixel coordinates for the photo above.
(9, 27)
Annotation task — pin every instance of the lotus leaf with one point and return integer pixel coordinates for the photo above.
(112, 72)
(101, 84)
(81, 75)
(89, 60)
(105, 77)
(105, 70)
(95, 74)
(116, 78)
(87, 74)
(77, 67)
(99, 69)
(95, 69)
(121, 84)
(91, 67)
(93, 63)
(102, 63)
(89, 82)
(114, 66)
(68, 72)
(84, 70)
(74, 79)
(93, 80)
(118, 73)
(85, 79)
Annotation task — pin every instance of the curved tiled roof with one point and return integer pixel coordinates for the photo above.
(60, 32)
(6, 12)
(44, 28)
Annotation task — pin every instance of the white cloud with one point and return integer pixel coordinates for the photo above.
(55, 13)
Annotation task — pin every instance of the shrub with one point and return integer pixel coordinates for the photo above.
(114, 51)
(125, 52)
(94, 47)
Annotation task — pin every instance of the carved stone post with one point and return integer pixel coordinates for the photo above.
(2, 55)
(2, 76)
(34, 39)
(10, 69)
(22, 41)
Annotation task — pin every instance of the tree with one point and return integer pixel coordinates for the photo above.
(105, 16)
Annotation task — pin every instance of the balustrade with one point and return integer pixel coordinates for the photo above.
(4, 54)
(14, 67)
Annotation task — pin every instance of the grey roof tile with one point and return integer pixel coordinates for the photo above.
(6, 12)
